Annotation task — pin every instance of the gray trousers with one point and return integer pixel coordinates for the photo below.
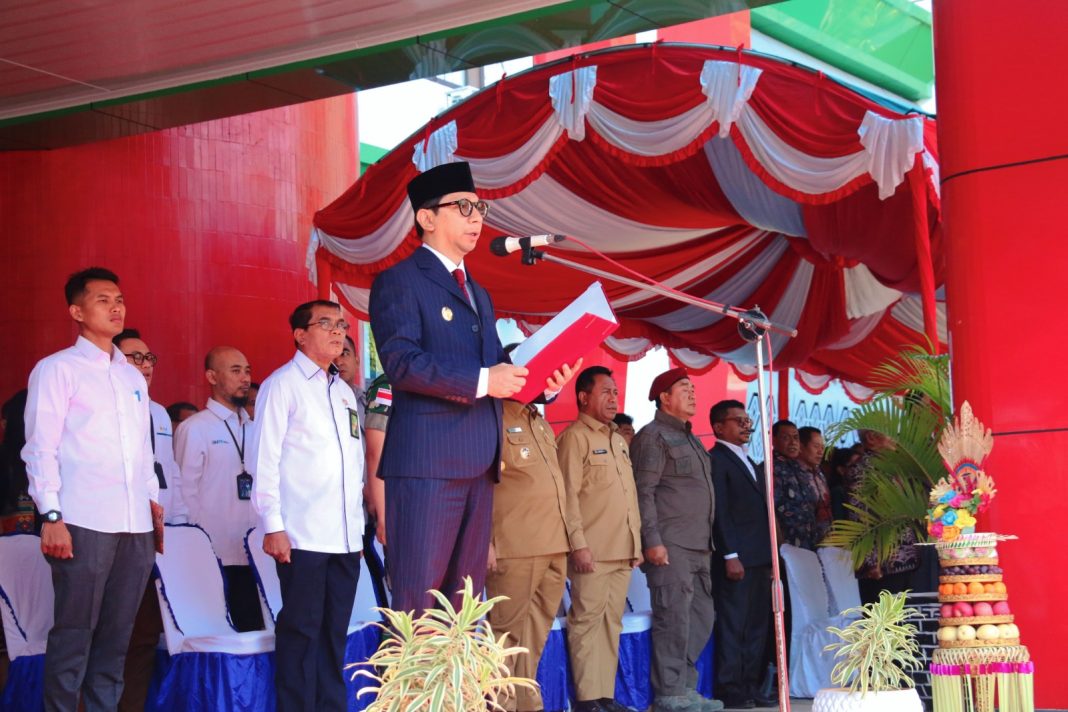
(97, 596)
(683, 616)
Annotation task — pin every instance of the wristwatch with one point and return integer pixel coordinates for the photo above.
(53, 516)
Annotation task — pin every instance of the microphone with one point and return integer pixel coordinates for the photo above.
(504, 246)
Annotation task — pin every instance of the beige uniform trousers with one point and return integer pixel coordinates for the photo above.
(594, 625)
(534, 586)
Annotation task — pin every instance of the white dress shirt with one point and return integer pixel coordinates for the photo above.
(309, 467)
(88, 452)
(174, 511)
(208, 455)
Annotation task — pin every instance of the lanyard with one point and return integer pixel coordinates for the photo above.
(240, 448)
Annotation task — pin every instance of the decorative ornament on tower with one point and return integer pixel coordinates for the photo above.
(980, 664)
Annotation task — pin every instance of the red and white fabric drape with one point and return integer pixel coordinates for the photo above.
(731, 176)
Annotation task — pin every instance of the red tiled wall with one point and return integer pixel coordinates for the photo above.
(206, 226)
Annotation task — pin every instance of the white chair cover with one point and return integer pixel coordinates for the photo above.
(841, 580)
(193, 602)
(638, 600)
(266, 577)
(27, 600)
(810, 666)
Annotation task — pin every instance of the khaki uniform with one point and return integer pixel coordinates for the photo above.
(531, 543)
(602, 514)
(673, 475)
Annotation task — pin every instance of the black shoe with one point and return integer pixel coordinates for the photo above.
(587, 706)
(735, 703)
(610, 705)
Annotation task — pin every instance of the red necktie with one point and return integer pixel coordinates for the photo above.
(460, 279)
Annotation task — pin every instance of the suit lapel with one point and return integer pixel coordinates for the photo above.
(743, 470)
(436, 272)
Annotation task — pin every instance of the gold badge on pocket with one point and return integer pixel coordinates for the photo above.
(446, 314)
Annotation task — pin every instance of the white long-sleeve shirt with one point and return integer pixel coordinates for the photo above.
(174, 511)
(88, 452)
(208, 455)
(309, 472)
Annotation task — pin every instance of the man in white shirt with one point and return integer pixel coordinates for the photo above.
(212, 449)
(374, 489)
(89, 460)
(308, 493)
(148, 625)
(137, 353)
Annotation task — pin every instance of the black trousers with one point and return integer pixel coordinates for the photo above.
(318, 592)
(97, 594)
(243, 598)
(741, 630)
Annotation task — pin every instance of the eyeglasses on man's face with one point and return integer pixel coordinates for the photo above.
(138, 358)
(465, 206)
(741, 420)
(328, 324)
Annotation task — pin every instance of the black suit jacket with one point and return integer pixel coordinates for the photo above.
(741, 525)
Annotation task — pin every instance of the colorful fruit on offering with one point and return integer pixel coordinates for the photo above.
(963, 609)
(947, 610)
(975, 587)
(988, 588)
(959, 589)
(948, 632)
(987, 632)
(965, 632)
(1008, 630)
(1001, 608)
(971, 570)
(983, 609)
(999, 587)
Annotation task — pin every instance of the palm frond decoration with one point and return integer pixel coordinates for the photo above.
(911, 407)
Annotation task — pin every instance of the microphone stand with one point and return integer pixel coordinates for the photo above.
(753, 326)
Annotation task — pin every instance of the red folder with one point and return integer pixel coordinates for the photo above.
(579, 328)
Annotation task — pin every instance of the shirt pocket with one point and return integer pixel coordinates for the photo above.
(520, 448)
(683, 460)
(600, 470)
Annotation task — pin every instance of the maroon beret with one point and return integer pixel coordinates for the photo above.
(665, 381)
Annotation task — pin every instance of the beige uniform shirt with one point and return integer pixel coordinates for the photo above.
(529, 501)
(602, 504)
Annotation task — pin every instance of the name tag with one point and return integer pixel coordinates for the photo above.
(515, 430)
(244, 486)
(600, 452)
(354, 424)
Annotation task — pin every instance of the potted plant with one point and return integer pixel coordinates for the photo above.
(447, 660)
(874, 657)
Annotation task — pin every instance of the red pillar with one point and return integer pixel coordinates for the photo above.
(1001, 102)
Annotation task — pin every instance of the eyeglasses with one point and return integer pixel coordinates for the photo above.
(465, 206)
(327, 325)
(139, 358)
(742, 421)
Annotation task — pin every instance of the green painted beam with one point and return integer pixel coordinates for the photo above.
(885, 42)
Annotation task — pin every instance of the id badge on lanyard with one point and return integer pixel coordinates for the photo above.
(244, 480)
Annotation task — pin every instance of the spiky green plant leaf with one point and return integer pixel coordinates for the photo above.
(910, 407)
(447, 660)
(877, 650)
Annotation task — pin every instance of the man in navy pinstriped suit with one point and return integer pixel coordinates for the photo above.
(436, 336)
